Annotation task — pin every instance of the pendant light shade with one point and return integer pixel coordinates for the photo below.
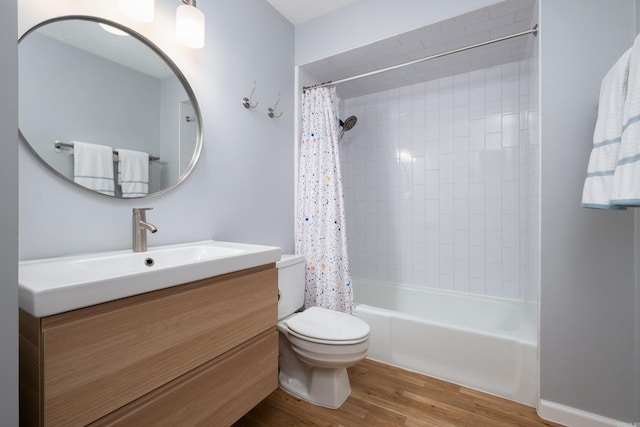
(138, 10)
(190, 25)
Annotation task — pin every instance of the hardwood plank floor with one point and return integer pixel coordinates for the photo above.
(384, 395)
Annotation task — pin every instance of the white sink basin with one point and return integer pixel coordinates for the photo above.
(54, 285)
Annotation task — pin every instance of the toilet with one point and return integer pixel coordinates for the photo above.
(316, 346)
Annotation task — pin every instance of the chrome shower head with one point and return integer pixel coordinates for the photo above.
(348, 124)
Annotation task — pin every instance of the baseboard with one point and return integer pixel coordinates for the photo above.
(572, 417)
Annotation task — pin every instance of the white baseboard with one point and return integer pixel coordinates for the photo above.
(572, 417)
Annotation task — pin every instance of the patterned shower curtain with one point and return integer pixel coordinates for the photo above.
(320, 218)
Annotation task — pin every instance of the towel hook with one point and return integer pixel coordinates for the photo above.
(247, 101)
(271, 111)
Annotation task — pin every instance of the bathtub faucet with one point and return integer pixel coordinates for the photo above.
(140, 227)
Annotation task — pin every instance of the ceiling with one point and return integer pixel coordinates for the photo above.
(488, 23)
(300, 11)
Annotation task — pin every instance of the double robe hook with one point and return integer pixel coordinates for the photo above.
(249, 103)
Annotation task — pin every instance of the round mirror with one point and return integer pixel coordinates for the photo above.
(86, 83)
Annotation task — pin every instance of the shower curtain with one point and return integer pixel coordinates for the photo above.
(320, 217)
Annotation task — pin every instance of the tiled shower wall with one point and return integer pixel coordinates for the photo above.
(440, 183)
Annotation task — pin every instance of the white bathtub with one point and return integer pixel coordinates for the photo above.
(479, 342)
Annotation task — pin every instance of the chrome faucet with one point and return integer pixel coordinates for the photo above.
(140, 227)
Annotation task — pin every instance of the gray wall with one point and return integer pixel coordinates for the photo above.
(9, 215)
(241, 189)
(588, 290)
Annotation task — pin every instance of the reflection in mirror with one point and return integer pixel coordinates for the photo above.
(80, 82)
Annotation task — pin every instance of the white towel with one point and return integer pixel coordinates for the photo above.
(93, 167)
(607, 136)
(133, 172)
(626, 179)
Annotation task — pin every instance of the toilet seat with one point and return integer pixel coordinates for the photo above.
(324, 326)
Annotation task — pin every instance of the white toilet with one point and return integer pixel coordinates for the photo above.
(317, 345)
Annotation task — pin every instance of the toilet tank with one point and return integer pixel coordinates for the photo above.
(291, 270)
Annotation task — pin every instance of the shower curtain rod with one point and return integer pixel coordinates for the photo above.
(533, 31)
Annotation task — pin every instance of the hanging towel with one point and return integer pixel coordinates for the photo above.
(133, 172)
(607, 137)
(93, 167)
(626, 178)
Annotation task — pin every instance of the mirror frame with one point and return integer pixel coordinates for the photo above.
(167, 60)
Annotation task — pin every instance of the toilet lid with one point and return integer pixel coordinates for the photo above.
(329, 325)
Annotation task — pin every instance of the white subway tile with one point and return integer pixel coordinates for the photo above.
(511, 197)
(476, 166)
(461, 277)
(446, 138)
(477, 230)
(432, 121)
(419, 139)
(419, 202)
(493, 283)
(461, 214)
(493, 247)
(511, 164)
(446, 168)
(493, 88)
(493, 214)
(476, 262)
(419, 171)
(461, 245)
(432, 243)
(433, 272)
(446, 260)
(476, 134)
(510, 232)
(511, 265)
(446, 229)
(461, 183)
(432, 157)
(510, 97)
(476, 198)
(510, 130)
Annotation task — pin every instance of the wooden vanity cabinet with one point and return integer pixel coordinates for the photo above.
(202, 353)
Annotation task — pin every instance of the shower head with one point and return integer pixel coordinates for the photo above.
(348, 124)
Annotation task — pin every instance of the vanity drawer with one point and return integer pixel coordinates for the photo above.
(97, 359)
(218, 393)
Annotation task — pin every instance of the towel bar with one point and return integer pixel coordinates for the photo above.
(59, 144)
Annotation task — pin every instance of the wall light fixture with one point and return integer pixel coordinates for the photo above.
(139, 10)
(190, 25)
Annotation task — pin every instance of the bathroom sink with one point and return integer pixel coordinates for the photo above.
(54, 285)
(158, 258)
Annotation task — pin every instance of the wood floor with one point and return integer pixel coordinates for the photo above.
(383, 395)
